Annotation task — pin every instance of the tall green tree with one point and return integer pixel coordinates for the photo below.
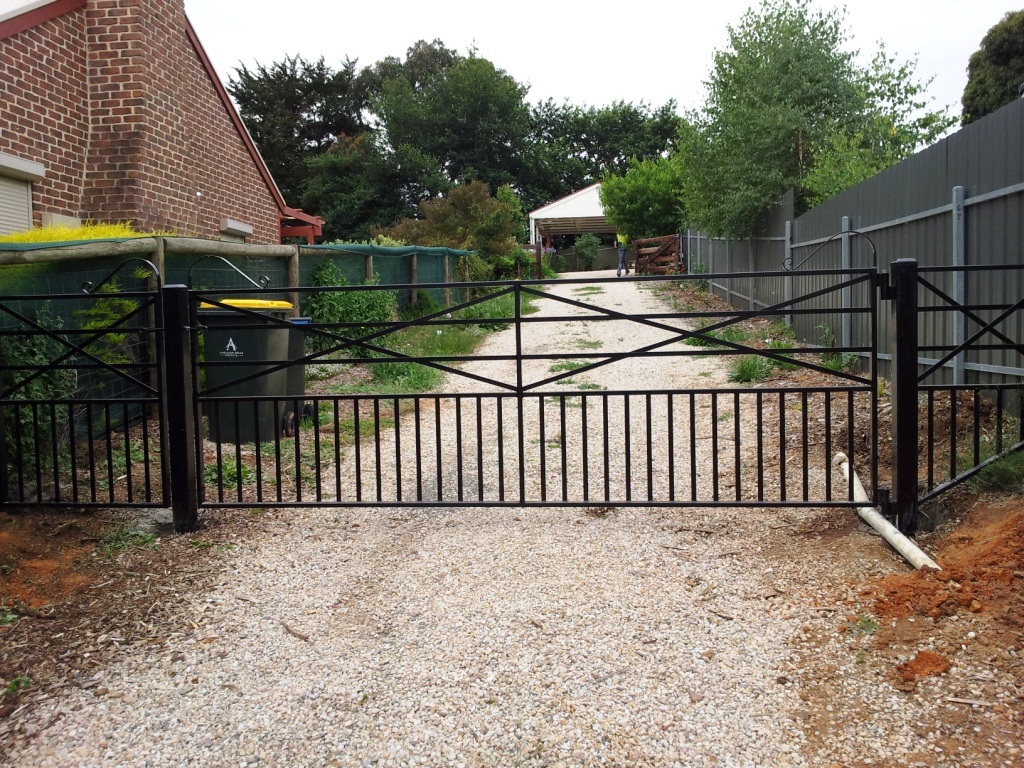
(354, 188)
(295, 109)
(995, 72)
(470, 122)
(776, 92)
(893, 123)
(423, 63)
(572, 146)
(647, 201)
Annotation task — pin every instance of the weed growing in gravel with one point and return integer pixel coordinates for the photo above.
(567, 365)
(18, 683)
(588, 290)
(589, 344)
(750, 368)
(867, 624)
(590, 385)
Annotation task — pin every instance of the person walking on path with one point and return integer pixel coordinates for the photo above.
(621, 241)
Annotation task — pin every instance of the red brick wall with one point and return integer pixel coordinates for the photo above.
(43, 108)
(157, 147)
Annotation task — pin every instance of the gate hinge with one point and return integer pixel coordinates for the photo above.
(886, 289)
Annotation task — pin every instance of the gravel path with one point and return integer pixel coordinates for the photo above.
(500, 637)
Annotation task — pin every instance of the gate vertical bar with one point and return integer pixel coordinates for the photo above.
(519, 391)
(903, 276)
(179, 401)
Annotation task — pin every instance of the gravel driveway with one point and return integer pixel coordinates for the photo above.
(503, 637)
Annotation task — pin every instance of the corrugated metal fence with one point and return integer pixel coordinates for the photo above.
(958, 203)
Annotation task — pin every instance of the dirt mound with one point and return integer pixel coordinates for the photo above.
(982, 572)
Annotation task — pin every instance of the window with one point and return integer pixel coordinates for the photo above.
(16, 177)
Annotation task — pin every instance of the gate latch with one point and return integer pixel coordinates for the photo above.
(886, 289)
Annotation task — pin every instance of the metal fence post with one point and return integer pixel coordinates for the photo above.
(3, 443)
(179, 421)
(788, 279)
(959, 282)
(846, 262)
(903, 276)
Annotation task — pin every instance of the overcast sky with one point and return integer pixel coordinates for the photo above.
(592, 53)
(587, 53)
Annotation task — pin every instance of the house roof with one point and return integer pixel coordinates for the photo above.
(17, 16)
(573, 214)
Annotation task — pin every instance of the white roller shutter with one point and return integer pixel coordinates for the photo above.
(15, 205)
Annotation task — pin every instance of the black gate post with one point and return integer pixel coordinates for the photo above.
(903, 276)
(180, 420)
(3, 441)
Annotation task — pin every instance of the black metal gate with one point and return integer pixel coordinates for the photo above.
(116, 397)
(533, 433)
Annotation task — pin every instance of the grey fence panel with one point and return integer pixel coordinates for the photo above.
(907, 211)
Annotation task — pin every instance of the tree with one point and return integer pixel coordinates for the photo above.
(647, 200)
(787, 108)
(779, 89)
(354, 188)
(423, 63)
(468, 217)
(469, 121)
(894, 123)
(995, 72)
(295, 109)
(572, 146)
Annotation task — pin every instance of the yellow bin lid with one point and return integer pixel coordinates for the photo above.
(250, 304)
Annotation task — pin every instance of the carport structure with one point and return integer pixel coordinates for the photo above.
(574, 214)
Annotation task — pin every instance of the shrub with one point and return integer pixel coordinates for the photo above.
(370, 309)
(750, 368)
(28, 435)
(585, 249)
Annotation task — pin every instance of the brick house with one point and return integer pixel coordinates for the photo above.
(110, 110)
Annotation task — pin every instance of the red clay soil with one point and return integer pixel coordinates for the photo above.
(982, 572)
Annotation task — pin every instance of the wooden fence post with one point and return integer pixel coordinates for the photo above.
(447, 280)
(293, 279)
(414, 273)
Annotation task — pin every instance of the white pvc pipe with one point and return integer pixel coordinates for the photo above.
(886, 530)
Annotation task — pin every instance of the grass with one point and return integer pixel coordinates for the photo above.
(751, 368)
(401, 377)
(1005, 475)
(589, 344)
(567, 365)
(122, 538)
(781, 344)
(588, 290)
(590, 385)
(731, 333)
(227, 472)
